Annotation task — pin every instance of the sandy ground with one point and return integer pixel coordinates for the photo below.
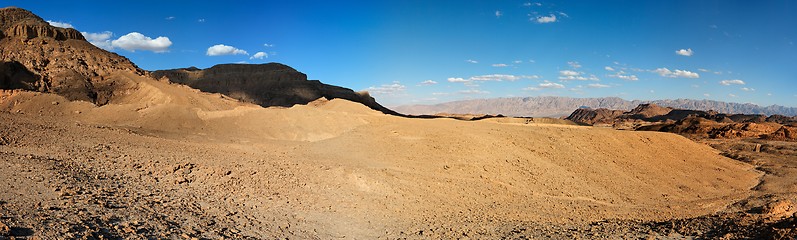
(184, 164)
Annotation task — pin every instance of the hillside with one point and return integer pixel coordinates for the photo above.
(270, 84)
(563, 106)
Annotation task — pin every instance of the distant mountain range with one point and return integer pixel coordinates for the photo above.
(563, 106)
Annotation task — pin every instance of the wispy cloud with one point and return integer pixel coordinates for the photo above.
(498, 14)
(387, 89)
(574, 65)
(622, 75)
(609, 68)
(490, 77)
(685, 52)
(545, 85)
(221, 49)
(732, 82)
(473, 91)
(60, 24)
(471, 61)
(566, 75)
(546, 19)
(428, 82)
(746, 89)
(500, 65)
(664, 72)
(170, 18)
(597, 85)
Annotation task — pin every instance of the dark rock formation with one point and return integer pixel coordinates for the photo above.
(270, 84)
(592, 116)
(37, 56)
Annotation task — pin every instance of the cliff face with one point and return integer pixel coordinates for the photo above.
(37, 56)
(270, 84)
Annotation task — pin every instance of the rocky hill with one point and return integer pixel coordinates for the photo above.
(693, 123)
(37, 56)
(270, 84)
(563, 106)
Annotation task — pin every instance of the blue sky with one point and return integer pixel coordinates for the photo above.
(422, 52)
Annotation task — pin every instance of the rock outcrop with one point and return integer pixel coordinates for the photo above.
(37, 56)
(270, 84)
(594, 116)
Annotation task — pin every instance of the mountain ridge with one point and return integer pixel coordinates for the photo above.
(551, 106)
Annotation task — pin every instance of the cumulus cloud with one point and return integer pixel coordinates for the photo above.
(566, 75)
(458, 80)
(597, 85)
(609, 68)
(471, 61)
(428, 82)
(685, 52)
(500, 65)
(732, 82)
(60, 24)
(387, 89)
(664, 72)
(136, 41)
(221, 49)
(546, 19)
(574, 65)
(259, 55)
(101, 40)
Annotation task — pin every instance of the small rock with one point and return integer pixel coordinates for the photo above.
(54, 103)
(4, 229)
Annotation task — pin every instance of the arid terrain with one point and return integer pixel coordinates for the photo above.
(92, 147)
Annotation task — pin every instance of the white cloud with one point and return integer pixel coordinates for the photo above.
(201, 20)
(492, 77)
(500, 65)
(707, 95)
(664, 72)
(609, 68)
(428, 82)
(387, 89)
(703, 70)
(746, 89)
(546, 19)
(563, 14)
(473, 91)
(621, 75)
(517, 62)
(685, 52)
(545, 85)
(170, 18)
(136, 41)
(268, 45)
(498, 14)
(574, 65)
(566, 75)
(60, 24)
(732, 82)
(731, 95)
(259, 55)
(471, 61)
(101, 40)
(221, 49)
(597, 85)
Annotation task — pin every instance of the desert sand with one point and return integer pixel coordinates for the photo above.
(93, 147)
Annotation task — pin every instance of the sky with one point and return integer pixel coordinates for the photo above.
(426, 52)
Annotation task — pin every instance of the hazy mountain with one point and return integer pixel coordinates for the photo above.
(563, 106)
